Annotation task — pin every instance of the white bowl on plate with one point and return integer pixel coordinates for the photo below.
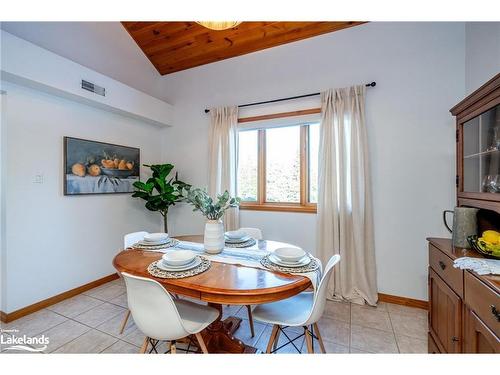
(178, 257)
(289, 254)
(156, 237)
(235, 234)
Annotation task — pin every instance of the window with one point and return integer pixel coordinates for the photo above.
(313, 158)
(283, 164)
(278, 168)
(247, 165)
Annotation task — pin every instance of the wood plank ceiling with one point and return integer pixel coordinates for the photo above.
(176, 46)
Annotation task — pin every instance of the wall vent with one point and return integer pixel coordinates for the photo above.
(89, 86)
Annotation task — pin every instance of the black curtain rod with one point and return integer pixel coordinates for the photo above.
(372, 84)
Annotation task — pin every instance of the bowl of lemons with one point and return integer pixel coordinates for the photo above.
(488, 244)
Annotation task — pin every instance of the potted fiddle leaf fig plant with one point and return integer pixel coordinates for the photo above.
(213, 210)
(160, 193)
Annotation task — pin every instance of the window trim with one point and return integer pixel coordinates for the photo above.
(304, 205)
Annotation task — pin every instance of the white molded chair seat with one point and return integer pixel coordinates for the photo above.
(128, 240)
(292, 311)
(195, 317)
(132, 238)
(253, 232)
(303, 310)
(163, 318)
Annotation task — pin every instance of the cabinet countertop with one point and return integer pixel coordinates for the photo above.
(445, 245)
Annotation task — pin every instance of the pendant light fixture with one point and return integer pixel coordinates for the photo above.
(218, 25)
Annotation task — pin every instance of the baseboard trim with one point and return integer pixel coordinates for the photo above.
(403, 301)
(9, 317)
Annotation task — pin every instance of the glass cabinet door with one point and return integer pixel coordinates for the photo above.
(481, 153)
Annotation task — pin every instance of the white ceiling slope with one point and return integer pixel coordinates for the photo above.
(105, 47)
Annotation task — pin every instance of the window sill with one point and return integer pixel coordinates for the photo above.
(311, 209)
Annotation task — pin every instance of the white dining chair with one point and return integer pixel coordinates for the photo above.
(131, 238)
(253, 232)
(128, 240)
(303, 310)
(163, 318)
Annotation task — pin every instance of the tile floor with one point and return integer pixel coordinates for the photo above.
(89, 323)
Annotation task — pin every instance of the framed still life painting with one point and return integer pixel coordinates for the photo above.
(92, 167)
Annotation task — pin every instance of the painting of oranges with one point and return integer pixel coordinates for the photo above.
(94, 167)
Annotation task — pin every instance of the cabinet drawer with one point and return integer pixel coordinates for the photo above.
(443, 266)
(484, 301)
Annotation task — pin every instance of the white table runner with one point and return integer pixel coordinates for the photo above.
(249, 257)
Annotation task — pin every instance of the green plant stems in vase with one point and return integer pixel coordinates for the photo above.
(213, 211)
(160, 193)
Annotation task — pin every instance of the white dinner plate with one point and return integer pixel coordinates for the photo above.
(156, 237)
(235, 234)
(151, 243)
(302, 262)
(178, 258)
(237, 240)
(195, 263)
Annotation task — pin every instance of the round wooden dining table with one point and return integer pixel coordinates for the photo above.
(221, 284)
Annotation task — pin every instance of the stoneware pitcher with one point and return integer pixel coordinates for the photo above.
(464, 225)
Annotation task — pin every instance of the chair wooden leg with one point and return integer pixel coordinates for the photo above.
(125, 320)
(276, 339)
(203, 347)
(144, 345)
(308, 341)
(272, 338)
(250, 320)
(316, 331)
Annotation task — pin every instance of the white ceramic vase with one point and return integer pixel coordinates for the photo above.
(214, 236)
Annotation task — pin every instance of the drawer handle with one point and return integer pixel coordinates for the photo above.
(495, 312)
(442, 265)
(455, 339)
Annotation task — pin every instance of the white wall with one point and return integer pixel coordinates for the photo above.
(3, 263)
(482, 53)
(419, 69)
(53, 242)
(59, 76)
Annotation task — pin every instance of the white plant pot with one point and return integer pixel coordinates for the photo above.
(214, 237)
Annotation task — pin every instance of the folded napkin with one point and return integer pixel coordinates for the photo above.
(478, 265)
(249, 257)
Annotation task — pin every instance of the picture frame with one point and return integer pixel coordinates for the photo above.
(94, 167)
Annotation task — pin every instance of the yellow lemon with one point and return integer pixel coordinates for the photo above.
(491, 236)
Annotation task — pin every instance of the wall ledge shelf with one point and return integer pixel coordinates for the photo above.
(26, 64)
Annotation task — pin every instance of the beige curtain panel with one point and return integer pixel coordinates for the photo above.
(345, 223)
(223, 144)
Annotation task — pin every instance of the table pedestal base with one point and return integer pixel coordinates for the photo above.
(219, 338)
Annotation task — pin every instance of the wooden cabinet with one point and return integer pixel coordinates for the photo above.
(442, 264)
(478, 337)
(463, 306)
(484, 301)
(478, 147)
(432, 346)
(445, 318)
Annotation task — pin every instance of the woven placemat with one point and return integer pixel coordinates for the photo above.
(247, 243)
(172, 243)
(157, 272)
(312, 266)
